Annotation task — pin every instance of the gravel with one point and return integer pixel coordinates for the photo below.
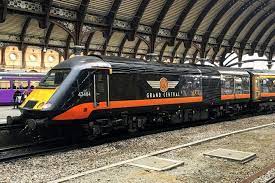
(57, 165)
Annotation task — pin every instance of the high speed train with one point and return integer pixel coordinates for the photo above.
(107, 93)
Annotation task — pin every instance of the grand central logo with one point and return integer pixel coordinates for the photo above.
(163, 85)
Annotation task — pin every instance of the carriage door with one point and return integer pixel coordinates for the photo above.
(256, 87)
(101, 88)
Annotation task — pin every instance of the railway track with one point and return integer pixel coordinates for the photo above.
(11, 127)
(266, 175)
(31, 149)
(271, 180)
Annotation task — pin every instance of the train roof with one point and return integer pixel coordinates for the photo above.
(262, 72)
(128, 65)
(232, 71)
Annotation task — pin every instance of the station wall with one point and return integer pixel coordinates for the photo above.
(35, 59)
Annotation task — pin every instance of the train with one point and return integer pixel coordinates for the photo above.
(103, 94)
(11, 81)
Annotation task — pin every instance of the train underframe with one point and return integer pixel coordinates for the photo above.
(134, 120)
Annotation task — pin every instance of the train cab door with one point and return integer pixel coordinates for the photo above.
(256, 88)
(101, 88)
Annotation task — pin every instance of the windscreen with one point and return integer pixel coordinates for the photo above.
(54, 78)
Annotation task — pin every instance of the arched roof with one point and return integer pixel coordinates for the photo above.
(175, 29)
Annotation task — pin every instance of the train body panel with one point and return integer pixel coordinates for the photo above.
(112, 90)
(235, 85)
(263, 85)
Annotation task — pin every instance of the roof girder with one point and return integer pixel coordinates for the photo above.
(48, 35)
(3, 10)
(88, 42)
(110, 18)
(46, 8)
(191, 33)
(180, 20)
(121, 46)
(136, 20)
(233, 19)
(157, 23)
(81, 13)
(267, 41)
(246, 21)
(260, 34)
(217, 18)
(136, 47)
(255, 25)
(106, 43)
(24, 31)
(176, 49)
(162, 51)
(66, 51)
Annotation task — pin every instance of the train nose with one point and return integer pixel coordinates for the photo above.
(38, 99)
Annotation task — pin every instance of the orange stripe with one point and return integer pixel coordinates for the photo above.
(228, 97)
(267, 94)
(234, 97)
(242, 96)
(83, 111)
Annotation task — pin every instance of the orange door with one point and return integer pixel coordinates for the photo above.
(256, 90)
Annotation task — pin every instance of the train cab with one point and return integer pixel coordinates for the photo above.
(263, 85)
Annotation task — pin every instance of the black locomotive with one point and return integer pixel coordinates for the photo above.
(106, 93)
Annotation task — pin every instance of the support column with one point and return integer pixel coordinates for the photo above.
(24, 49)
(240, 58)
(78, 50)
(59, 57)
(269, 65)
(152, 57)
(42, 65)
(270, 55)
(3, 56)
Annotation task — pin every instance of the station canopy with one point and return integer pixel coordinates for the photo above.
(168, 30)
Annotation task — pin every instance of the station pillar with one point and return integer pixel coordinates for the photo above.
(78, 49)
(152, 57)
(269, 65)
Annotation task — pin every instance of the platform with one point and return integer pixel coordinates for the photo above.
(7, 111)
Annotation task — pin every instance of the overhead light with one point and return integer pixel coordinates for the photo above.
(44, 49)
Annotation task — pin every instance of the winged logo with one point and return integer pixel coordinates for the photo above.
(163, 84)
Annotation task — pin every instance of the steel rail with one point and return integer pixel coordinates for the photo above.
(31, 149)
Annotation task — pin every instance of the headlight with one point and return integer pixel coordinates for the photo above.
(40, 105)
(47, 106)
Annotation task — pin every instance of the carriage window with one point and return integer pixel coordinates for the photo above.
(191, 85)
(34, 84)
(267, 85)
(227, 85)
(5, 85)
(246, 85)
(238, 85)
(19, 84)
